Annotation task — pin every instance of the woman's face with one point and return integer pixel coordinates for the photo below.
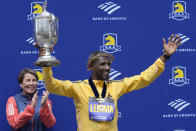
(29, 84)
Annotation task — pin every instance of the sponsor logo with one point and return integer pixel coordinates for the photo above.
(180, 106)
(109, 9)
(36, 8)
(40, 83)
(110, 44)
(179, 130)
(179, 76)
(30, 49)
(179, 11)
(31, 40)
(113, 74)
(184, 39)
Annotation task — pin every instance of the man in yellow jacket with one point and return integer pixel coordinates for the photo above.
(96, 98)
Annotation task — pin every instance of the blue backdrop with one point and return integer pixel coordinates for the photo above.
(137, 28)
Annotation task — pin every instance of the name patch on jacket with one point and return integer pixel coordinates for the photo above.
(101, 109)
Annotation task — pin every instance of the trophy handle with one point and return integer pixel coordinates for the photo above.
(49, 50)
(36, 45)
(53, 45)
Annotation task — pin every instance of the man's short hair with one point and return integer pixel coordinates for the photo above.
(95, 55)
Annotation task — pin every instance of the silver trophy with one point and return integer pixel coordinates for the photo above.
(46, 33)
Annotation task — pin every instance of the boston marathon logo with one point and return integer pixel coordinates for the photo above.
(40, 84)
(179, 11)
(179, 76)
(110, 44)
(36, 8)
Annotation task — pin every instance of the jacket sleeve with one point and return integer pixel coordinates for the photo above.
(59, 87)
(140, 81)
(15, 119)
(47, 116)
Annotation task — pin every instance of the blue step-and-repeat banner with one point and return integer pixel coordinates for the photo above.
(131, 30)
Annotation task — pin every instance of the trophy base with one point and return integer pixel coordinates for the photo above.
(47, 61)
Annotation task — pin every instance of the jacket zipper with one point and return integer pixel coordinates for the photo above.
(32, 117)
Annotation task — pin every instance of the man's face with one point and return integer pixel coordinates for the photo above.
(29, 84)
(101, 69)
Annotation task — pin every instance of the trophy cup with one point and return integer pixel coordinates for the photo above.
(46, 33)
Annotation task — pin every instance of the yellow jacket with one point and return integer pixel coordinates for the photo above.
(81, 91)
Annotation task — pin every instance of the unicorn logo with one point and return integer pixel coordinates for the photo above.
(40, 76)
(36, 8)
(110, 43)
(179, 11)
(179, 72)
(110, 39)
(40, 83)
(179, 76)
(180, 7)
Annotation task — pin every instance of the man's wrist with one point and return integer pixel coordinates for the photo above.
(166, 56)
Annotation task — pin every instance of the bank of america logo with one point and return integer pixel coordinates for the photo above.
(31, 40)
(113, 74)
(109, 7)
(179, 104)
(183, 37)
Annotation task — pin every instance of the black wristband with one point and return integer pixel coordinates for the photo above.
(165, 56)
